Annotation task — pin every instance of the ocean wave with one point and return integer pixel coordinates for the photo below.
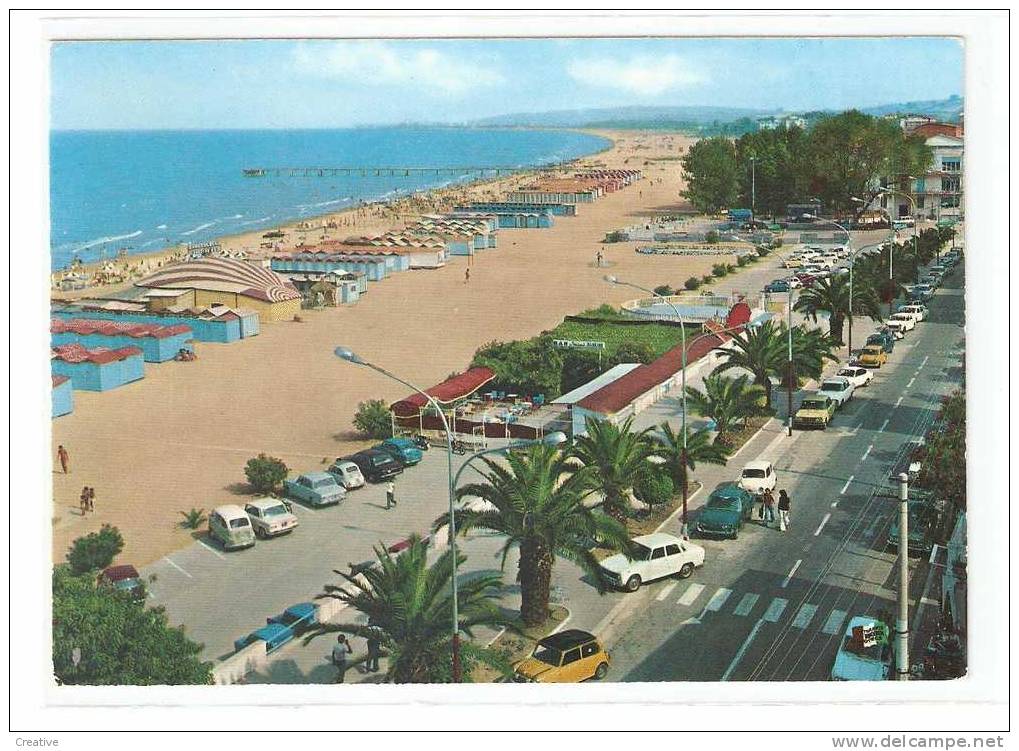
(199, 228)
(256, 221)
(101, 240)
(161, 226)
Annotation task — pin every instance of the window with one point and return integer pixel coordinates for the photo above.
(672, 549)
(659, 553)
(589, 649)
(919, 202)
(239, 523)
(251, 510)
(951, 165)
(949, 202)
(572, 656)
(951, 184)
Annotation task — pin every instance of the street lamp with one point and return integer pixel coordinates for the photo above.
(852, 259)
(912, 203)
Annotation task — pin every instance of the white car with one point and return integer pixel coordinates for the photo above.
(908, 321)
(856, 375)
(898, 328)
(347, 474)
(793, 282)
(916, 312)
(270, 517)
(658, 555)
(838, 389)
(757, 477)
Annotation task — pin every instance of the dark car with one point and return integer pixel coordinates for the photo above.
(375, 465)
(885, 340)
(779, 285)
(725, 511)
(124, 579)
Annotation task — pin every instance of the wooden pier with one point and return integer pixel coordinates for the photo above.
(355, 171)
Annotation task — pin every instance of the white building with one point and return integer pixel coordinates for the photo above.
(781, 121)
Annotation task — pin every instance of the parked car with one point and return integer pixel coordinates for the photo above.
(298, 618)
(917, 311)
(404, 450)
(273, 635)
(884, 340)
(793, 263)
(376, 466)
(856, 375)
(725, 511)
(347, 474)
(655, 556)
(837, 388)
(865, 653)
(816, 411)
(230, 526)
(282, 628)
(568, 656)
(315, 489)
(922, 292)
(778, 285)
(270, 517)
(793, 282)
(124, 578)
(923, 523)
(757, 477)
(896, 329)
(873, 356)
(904, 319)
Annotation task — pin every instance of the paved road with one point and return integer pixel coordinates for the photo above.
(771, 606)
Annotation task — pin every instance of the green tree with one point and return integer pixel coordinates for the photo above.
(95, 550)
(653, 486)
(265, 473)
(633, 351)
(700, 448)
(374, 419)
(615, 454)
(712, 179)
(759, 350)
(533, 366)
(116, 641)
(539, 508)
(408, 605)
(776, 179)
(831, 295)
(726, 401)
(579, 367)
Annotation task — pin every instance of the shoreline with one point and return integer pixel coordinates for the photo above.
(397, 209)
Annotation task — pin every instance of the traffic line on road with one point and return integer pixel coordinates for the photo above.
(212, 550)
(178, 567)
(834, 504)
(821, 525)
(846, 486)
(804, 615)
(691, 594)
(834, 623)
(746, 605)
(775, 610)
(716, 602)
(867, 453)
(925, 359)
(666, 590)
(792, 571)
(898, 401)
(910, 382)
(883, 426)
(742, 650)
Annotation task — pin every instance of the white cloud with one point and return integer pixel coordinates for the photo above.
(387, 64)
(643, 74)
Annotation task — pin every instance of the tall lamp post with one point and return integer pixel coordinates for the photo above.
(753, 187)
(852, 258)
(912, 203)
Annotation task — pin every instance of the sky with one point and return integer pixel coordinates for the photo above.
(319, 84)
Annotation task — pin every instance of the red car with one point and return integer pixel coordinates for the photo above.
(807, 280)
(125, 579)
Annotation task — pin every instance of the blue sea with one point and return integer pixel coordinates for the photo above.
(144, 190)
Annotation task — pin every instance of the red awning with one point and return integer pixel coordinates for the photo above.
(457, 387)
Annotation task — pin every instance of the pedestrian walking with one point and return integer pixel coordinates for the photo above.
(374, 652)
(769, 506)
(759, 502)
(340, 651)
(783, 510)
(599, 257)
(92, 500)
(467, 276)
(63, 457)
(390, 495)
(83, 500)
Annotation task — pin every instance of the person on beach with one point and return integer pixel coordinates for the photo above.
(599, 257)
(374, 652)
(783, 510)
(467, 276)
(341, 649)
(92, 500)
(769, 506)
(63, 457)
(83, 500)
(390, 495)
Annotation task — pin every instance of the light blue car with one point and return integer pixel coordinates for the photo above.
(315, 489)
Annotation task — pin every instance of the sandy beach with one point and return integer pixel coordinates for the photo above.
(180, 437)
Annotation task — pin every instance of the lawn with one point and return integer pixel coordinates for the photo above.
(659, 338)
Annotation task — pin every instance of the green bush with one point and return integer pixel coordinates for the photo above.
(664, 289)
(634, 352)
(373, 419)
(763, 250)
(712, 237)
(729, 268)
(96, 550)
(776, 243)
(265, 473)
(692, 283)
(707, 279)
(742, 261)
(719, 270)
(193, 519)
(653, 487)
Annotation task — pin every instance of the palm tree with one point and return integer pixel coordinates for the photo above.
(727, 401)
(831, 295)
(616, 454)
(700, 447)
(759, 350)
(811, 348)
(539, 506)
(409, 606)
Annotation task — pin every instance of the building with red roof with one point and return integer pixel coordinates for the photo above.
(157, 342)
(97, 369)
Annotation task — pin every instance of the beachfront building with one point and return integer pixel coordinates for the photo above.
(616, 178)
(939, 193)
(514, 219)
(402, 252)
(217, 323)
(513, 207)
(330, 288)
(335, 256)
(570, 400)
(226, 281)
(63, 395)
(158, 343)
(97, 369)
(482, 230)
(564, 190)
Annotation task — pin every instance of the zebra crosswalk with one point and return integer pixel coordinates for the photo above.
(752, 605)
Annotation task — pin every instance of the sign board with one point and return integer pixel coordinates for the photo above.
(576, 344)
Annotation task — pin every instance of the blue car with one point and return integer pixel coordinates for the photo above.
(297, 617)
(280, 629)
(779, 285)
(404, 450)
(725, 511)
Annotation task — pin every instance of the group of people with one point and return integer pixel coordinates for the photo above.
(87, 500)
(342, 649)
(766, 505)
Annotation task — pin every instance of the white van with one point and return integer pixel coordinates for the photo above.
(231, 527)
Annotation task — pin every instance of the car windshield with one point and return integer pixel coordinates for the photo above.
(812, 404)
(832, 386)
(753, 473)
(872, 349)
(289, 619)
(379, 459)
(323, 482)
(848, 373)
(127, 584)
(548, 655)
(276, 510)
(239, 523)
(722, 502)
(641, 552)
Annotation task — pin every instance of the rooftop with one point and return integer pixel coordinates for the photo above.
(224, 275)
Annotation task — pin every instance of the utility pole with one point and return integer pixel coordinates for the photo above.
(753, 187)
(902, 625)
(791, 375)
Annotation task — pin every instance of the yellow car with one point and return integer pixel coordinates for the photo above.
(816, 411)
(566, 657)
(873, 356)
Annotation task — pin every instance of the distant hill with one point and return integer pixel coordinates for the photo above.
(949, 110)
(623, 117)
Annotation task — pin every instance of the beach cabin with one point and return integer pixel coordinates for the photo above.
(158, 343)
(495, 207)
(219, 324)
(97, 369)
(63, 395)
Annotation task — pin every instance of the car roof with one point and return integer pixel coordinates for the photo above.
(318, 476)
(838, 378)
(567, 639)
(731, 491)
(656, 539)
(121, 572)
(230, 511)
(758, 464)
(344, 464)
(301, 608)
(269, 630)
